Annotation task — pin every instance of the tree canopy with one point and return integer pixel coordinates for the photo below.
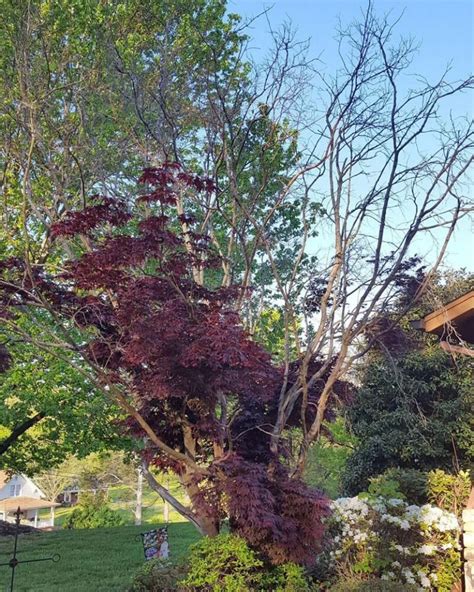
(173, 354)
(413, 408)
(260, 218)
(415, 413)
(48, 410)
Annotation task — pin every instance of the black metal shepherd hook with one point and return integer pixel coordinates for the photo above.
(14, 561)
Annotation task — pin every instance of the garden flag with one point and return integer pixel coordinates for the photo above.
(155, 543)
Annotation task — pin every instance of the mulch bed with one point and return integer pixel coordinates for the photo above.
(7, 528)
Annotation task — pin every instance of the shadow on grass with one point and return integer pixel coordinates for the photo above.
(96, 560)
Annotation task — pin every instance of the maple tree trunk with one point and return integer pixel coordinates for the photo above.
(209, 526)
(204, 523)
(189, 478)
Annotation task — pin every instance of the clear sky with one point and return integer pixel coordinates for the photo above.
(444, 30)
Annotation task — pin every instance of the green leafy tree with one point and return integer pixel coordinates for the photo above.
(89, 93)
(412, 410)
(415, 414)
(54, 481)
(269, 330)
(93, 91)
(48, 410)
(328, 458)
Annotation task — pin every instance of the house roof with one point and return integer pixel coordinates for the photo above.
(5, 477)
(457, 315)
(10, 504)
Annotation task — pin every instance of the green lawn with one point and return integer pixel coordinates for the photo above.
(99, 560)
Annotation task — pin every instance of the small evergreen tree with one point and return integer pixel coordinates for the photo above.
(414, 412)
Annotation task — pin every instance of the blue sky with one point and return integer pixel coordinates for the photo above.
(443, 28)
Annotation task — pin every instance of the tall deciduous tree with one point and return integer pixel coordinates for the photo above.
(380, 174)
(91, 92)
(392, 174)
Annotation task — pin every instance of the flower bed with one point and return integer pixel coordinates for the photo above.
(390, 539)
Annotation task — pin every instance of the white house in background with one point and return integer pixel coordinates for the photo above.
(18, 485)
(19, 491)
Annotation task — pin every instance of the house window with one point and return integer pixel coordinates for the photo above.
(15, 490)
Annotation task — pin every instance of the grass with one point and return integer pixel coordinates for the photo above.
(98, 560)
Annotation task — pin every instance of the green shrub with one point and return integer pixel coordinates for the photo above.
(226, 564)
(87, 499)
(376, 585)
(385, 486)
(223, 563)
(407, 484)
(158, 575)
(93, 512)
(288, 577)
(448, 491)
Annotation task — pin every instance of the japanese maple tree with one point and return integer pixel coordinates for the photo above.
(172, 352)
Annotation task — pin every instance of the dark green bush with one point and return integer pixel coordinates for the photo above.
(408, 484)
(158, 575)
(93, 512)
(413, 421)
(412, 484)
(375, 585)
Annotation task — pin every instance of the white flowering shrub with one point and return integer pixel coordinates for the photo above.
(390, 539)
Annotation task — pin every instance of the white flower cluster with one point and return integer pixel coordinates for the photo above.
(394, 511)
(414, 538)
(410, 577)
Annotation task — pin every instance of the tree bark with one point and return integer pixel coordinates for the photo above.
(19, 431)
(209, 526)
(166, 506)
(204, 523)
(139, 497)
(167, 497)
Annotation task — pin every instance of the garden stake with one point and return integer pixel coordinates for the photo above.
(14, 561)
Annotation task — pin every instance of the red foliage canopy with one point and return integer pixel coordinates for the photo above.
(180, 352)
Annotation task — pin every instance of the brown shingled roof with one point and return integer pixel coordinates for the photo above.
(10, 504)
